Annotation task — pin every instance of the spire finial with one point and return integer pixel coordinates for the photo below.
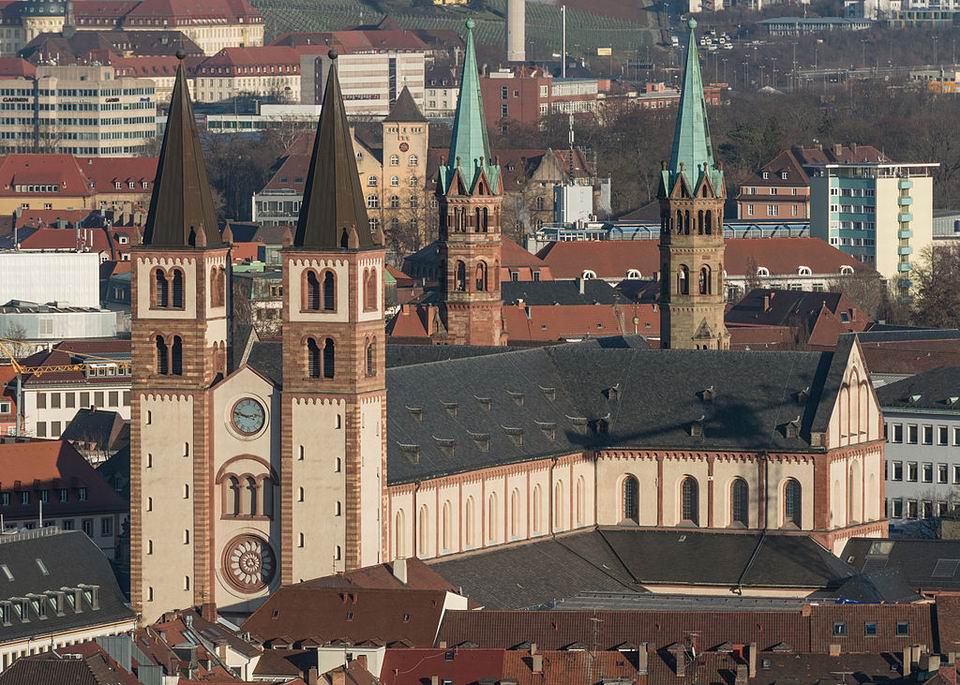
(333, 54)
(691, 23)
(181, 54)
(471, 24)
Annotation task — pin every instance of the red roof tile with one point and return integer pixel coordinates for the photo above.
(259, 56)
(15, 67)
(416, 666)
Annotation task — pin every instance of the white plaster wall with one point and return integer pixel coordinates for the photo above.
(777, 474)
(724, 473)
(371, 479)
(674, 471)
(378, 312)
(611, 472)
(838, 493)
(189, 266)
(167, 435)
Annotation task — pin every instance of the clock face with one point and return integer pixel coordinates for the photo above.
(248, 416)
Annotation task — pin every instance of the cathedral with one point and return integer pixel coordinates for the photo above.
(260, 463)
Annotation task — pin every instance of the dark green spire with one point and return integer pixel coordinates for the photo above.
(469, 150)
(692, 148)
(181, 208)
(333, 214)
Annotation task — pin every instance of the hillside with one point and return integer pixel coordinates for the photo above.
(629, 25)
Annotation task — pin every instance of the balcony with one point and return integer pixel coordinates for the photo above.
(904, 234)
(904, 184)
(905, 266)
(905, 250)
(904, 201)
(905, 217)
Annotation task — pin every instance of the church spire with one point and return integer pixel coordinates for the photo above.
(333, 214)
(181, 208)
(469, 149)
(692, 149)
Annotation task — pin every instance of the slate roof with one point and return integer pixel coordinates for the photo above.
(627, 559)
(780, 307)
(937, 389)
(925, 564)
(97, 426)
(52, 668)
(405, 110)
(460, 415)
(71, 559)
(408, 355)
(594, 291)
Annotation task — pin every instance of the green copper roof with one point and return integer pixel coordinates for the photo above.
(469, 149)
(691, 139)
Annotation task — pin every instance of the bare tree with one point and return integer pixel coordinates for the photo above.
(937, 289)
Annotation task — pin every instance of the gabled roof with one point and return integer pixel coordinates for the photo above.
(405, 110)
(333, 213)
(182, 212)
(937, 389)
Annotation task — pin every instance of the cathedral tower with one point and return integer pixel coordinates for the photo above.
(691, 226)
(179, 335)
(333, 402)
(470, 196)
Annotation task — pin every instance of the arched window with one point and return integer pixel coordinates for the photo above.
(177, 289)
(414, 202)
(686, 222)
(700, 222)
(705, 285)
(329, 358)
(558, 505)
(460, 277)
(804, 271)
(371, 181)
(486, 219)
(370, 291)
(514, 513)
(690, 501)
(233, 493)
(161, 290)
(792, 504)
(374, 223)
(763, 271)
(312, 291)
(413, 160)
(424, 532)
(846, 270)
(329, 292)
(373, 202)
(539, 203)
(740, 503)
(176, 356)
(394, 202)
(679, 221)
(588, 274)
(414, 181)
(537, 504)
(578, 500)
(708, 222)
(394, 181)
(482, 277)
(399, 533)
(492, 517)
(251, 496)
(633, 274)
(631, 499)
(372, 358)
(313, 358)
(445, 533)
(468, 524)
(394, 160)
(163, 362)
(683, 280)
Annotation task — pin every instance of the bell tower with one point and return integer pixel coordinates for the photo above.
(691, 198)
(333, 402)
(470, 195)
(179, 334)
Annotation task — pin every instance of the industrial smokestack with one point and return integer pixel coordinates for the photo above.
(516, 31)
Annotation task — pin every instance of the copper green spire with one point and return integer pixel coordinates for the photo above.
(469, 149)
(333, 214)
(181, 208)
(692, 148)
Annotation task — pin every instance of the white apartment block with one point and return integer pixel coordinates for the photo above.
(370, 82)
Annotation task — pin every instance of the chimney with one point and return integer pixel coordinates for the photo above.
(533, 648)
(313, 678)
(362, 660)
(537, 663)
(933, 663)
(907, 661)
(741, 674)
(642, 657)
(581, 284)
(835, 650)
(752, 659)
(680, 659)
(916, 651)
(400, 570)
(208, 611)
(434, 680)
(338, 676)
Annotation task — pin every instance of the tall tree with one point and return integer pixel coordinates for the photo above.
(937, 278)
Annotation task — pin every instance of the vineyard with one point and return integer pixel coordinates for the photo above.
(585, 31)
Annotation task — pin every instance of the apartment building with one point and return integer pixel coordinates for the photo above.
(77, 110)
(371, 82)
(780, 189)
(525, 94)
(269, 72)
(922, 421)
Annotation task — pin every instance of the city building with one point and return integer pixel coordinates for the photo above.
(60, 590)
(880, 212)
(48, 483)
(525, 94)
(779, 190)
(271, 72)
(78, 110)
(922, 423)
(441, 91)
(38, 325)
(799, 26)
(69, 278)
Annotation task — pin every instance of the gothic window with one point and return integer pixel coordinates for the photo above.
(176, 356)
(492, 518)
(161, 290)
(163, 367)
(373, 202)
(177, 299)
(398, 535)
(476, 220)
(313, 358)
(631, 499)
(705, 285)
(445, 525)
(482, 277)
(708, 226)
(537, 504)
(372, 358)
(468, 527)
(460, 277)
(686, 222)
(690, 501)
(679, 226)
(312, 291)
(792, 504)
(394, 160)
(558, 505)
(683, 280)
(424, 532)
(413, 160)
(515, 513)
(370, 291)
(700, 222)
(394, 202)
(329, 358)
(329, 292)
(579, 500)
(740, 503)
(486, 219)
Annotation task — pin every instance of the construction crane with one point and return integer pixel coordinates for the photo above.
(90, 361)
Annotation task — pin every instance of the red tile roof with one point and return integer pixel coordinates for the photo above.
(66, 351)
(151, 66)
(380, 577)
(67, 239)
(417, 666)
(260, 57)
(910, 357)
(15, 67)
(182, 11)
(75, 176)
(50, 465)
(611, 259)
